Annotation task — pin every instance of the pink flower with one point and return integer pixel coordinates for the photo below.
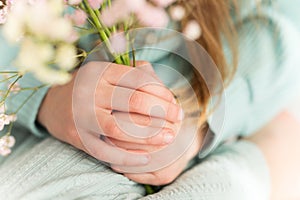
(5, 7)
(95, 4)
(152, 16)
(118, 43)
(121, 10)
(163, 3)
(78, 17)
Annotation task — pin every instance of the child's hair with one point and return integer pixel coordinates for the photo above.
(215, 19)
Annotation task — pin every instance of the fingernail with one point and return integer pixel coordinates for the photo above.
(168, 137)
(181, 115)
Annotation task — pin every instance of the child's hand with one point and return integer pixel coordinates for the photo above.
(169, 173)
(83, 110)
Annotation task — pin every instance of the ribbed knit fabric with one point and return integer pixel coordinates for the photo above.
(233, 172)
(48, 169)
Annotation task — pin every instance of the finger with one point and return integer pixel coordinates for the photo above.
(143, 120)
(162, 177)
(110, 154)
(128, 100)
(146, 66)
(156, 90)
(138, 78)
(133, 146)
(142, 178)
(147, 178)
(129, 132)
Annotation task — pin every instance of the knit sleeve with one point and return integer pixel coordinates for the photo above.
(27, 115)
(267, 78)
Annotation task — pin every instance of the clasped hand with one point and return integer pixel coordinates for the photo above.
(119, 115)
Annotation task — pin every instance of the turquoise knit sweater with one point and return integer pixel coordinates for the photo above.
(266, 80)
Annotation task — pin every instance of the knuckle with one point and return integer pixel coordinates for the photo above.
(136, 101)
(111, 129)
(145, 121)
(149, 141)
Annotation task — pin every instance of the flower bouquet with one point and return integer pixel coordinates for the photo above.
(48, 35)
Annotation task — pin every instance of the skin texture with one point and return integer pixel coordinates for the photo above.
(57, 116)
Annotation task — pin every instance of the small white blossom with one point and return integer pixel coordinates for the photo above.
(45, 37)
(8, 141)
(74, 2)
(52, 77)
(177, 12)
(33, 54)
(192, 30)
(4, 118)
(66, 56)
(4, 151)
(5, 7)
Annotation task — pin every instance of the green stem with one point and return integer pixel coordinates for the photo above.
(133, 58)
(149, 189)
(101, 31)
(114, 29)
(8, 78)
(9, 129)
(26, 100)
(10, 87)
(103, 27)
(9, 72)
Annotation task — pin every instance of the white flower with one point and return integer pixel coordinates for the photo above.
(45, 37)
(66, 56)
(177, 12)
(52, 77)
(60, 29)
(74, 2)
(33, 55)
(42, 19)
(13, 30)
(8, 141)
(192, 30)
(5, 7)
(4, 118)
(5, 151)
